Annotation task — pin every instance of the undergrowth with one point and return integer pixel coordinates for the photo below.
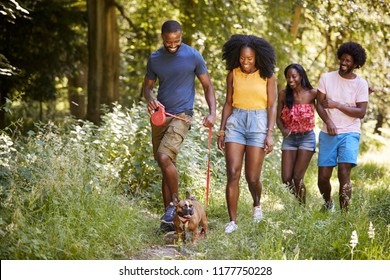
(78, 191)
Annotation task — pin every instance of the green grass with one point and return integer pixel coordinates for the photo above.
(82, 192)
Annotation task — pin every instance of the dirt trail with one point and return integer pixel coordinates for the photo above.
(171, 251)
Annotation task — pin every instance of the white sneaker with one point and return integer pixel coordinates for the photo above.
(257, 214)
(230, 227)
(329, 207)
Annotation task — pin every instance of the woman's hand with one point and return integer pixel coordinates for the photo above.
(221, 143)
(269, 143)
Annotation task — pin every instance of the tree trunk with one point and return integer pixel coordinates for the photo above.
(77, 99)
(110, 87)
(295, 24)
(103, 66)
(188, 20)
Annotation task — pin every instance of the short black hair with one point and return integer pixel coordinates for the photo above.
(170, 26)
(355, 50)
(265, 53)
(305, 83)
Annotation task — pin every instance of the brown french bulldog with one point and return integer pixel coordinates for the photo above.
(188, 217)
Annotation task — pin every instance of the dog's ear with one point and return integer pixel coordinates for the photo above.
(175, 199)
(188, 194)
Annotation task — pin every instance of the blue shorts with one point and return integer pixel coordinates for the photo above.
(247, 127)
(341, 148)
(300, 141)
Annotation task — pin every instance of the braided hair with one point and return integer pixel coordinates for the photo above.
(265, 53)
(304, 83)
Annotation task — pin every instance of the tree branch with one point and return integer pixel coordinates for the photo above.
(121, 9)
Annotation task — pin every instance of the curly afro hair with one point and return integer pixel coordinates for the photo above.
(355, 50)
(265, 53)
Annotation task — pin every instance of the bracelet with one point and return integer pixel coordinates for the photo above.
(270, 129)
(221, 133)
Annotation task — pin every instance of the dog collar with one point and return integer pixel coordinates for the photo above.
(183, 220)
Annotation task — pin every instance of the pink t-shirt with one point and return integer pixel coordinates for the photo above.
(347, 92)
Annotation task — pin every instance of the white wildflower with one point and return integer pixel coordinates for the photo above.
(287, 232)
(354, 239)
(371, 231)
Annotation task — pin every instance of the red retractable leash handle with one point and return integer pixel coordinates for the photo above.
(158, 117)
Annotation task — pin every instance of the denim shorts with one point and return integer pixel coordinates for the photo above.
(247, 127)
(341, 148)
(300, 141)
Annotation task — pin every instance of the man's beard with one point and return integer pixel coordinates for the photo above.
(345, 72)
(172, 52)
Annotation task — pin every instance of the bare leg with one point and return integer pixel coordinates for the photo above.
(344, 175)
(234, 156)
(324, 175)
(170, 184)
(301, 164)
(254, 158)
(288, 162)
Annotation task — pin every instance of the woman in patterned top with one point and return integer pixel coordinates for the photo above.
(295, 119)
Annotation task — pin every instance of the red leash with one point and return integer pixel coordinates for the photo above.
(208, 167)
(207, 176)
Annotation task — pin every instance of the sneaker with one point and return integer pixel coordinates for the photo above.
(257, 214)
(169, 214)
(167, 227)
(230, 227)
(167, 224)
(328, 207)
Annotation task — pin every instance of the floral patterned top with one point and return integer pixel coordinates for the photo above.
(300, 118)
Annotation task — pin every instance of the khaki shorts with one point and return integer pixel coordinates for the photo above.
(167, 139)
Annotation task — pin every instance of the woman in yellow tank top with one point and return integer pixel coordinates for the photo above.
(248, 117)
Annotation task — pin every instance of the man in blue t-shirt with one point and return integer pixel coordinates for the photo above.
(175, 65)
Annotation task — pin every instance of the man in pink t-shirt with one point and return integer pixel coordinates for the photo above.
(342, 100)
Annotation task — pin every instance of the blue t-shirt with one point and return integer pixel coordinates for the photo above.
(176, 74)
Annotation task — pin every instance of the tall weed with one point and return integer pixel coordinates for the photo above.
(78, 191)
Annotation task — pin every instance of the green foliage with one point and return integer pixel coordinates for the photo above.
(321, 27)
(78, 191)
(45, 43)
(51, 43)
(60, 184)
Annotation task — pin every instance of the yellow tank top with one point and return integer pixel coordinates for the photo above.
(249, 90)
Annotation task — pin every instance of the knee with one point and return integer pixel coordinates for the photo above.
(163, 160)
(343, 176)
(233, 174)
(253, 181)
(322, 179)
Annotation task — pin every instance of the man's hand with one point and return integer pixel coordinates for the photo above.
(329, 103)
(209, 121)
(154, 105)
(331, 128)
